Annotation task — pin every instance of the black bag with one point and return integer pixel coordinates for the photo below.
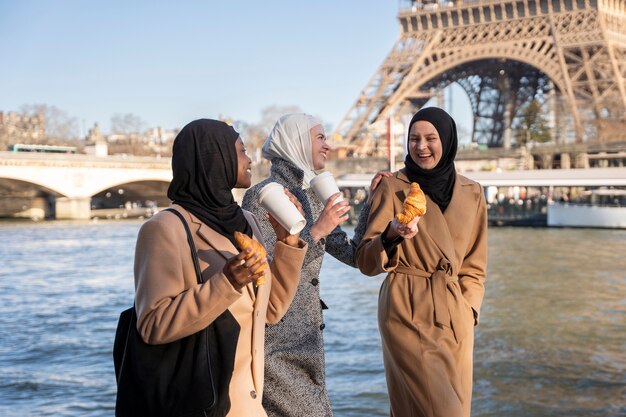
(187, 377)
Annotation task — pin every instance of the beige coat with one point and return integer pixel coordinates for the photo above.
(171, 304)
(430, 300)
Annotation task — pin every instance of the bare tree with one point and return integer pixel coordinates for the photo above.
(59, 126)
(255, 133)
(126, 124)
(270, 114)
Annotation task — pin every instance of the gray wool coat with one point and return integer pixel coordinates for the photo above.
(294, 347)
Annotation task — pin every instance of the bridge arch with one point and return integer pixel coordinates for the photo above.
(443, 62)
(135, 184)
(142, 193)
(518, 63)
(74, 180)
(39, 181)
(26, 199)
(578, 45)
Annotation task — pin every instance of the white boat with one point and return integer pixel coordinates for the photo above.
(601, 208)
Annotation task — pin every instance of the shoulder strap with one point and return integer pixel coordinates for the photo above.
(192, 246)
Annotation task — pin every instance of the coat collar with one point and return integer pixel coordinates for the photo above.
(460, 179)
(217, 241)
(220, 243)
(214, 238)
(286, 173)
(443, 227)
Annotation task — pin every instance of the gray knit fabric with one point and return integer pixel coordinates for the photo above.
(294, 347)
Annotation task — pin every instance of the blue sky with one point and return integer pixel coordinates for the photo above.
(172, 62)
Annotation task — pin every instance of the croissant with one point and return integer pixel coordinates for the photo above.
(244, 241)
(414, 205)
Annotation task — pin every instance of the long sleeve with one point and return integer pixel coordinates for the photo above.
(170, 303)
(286, 268)
(473, 269)
(341, 247)
(371, 256)
(250, 202)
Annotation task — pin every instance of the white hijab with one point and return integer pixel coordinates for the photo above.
(290, 139)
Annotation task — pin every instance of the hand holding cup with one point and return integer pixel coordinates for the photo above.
(283, 234)
(334, 214)
(325, 187)
(284, 209)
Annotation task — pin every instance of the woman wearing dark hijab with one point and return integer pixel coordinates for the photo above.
(208, 161)
(430, 301)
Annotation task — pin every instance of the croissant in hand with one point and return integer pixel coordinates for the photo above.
(414, 205)
(244, 241)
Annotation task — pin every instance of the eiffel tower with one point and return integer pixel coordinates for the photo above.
(567, 55)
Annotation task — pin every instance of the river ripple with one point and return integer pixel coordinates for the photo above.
(552, 338)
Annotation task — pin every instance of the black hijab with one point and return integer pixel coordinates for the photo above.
(204, 164)
(437, 182)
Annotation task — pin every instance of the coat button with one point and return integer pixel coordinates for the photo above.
(253, 394)
(315, 281)
(322, 326)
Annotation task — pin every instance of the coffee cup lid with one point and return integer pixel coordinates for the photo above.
(321, 175)
(267, 189)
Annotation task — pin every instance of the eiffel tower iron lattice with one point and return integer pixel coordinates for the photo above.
(568, 55)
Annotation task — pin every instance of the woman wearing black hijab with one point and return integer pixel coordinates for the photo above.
(208, 161)
(430, 301)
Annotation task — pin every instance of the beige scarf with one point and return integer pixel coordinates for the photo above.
(290, 139)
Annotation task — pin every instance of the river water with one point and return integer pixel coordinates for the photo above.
(552, 338)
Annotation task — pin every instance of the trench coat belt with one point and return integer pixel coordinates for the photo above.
(442, 281)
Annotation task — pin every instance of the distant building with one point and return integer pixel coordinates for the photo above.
(95, 144)
(159, 136)
(153, 136)
(22, 127)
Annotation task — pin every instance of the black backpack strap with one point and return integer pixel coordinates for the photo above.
(192, 246)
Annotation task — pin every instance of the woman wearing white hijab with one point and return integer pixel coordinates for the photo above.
(294, 348)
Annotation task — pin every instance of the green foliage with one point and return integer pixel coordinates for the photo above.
(533, 125)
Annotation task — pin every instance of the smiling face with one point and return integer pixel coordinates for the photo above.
(244, 166)
(425, 145)
(319, 147)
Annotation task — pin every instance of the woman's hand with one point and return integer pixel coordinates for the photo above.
(282, 234)
(240, 271)
(332, 215)
(375, 181)
(406, 231)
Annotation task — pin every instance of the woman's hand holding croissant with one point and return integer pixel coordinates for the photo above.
(245, 267)
(407, 231)
(414, 207)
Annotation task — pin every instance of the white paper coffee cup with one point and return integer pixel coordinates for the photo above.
(272, 198)
(325, 186)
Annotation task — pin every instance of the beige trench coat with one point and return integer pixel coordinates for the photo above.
(430, 300)
(171, 304)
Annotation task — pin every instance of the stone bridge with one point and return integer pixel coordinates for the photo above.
(71, 185)
(70, 181)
